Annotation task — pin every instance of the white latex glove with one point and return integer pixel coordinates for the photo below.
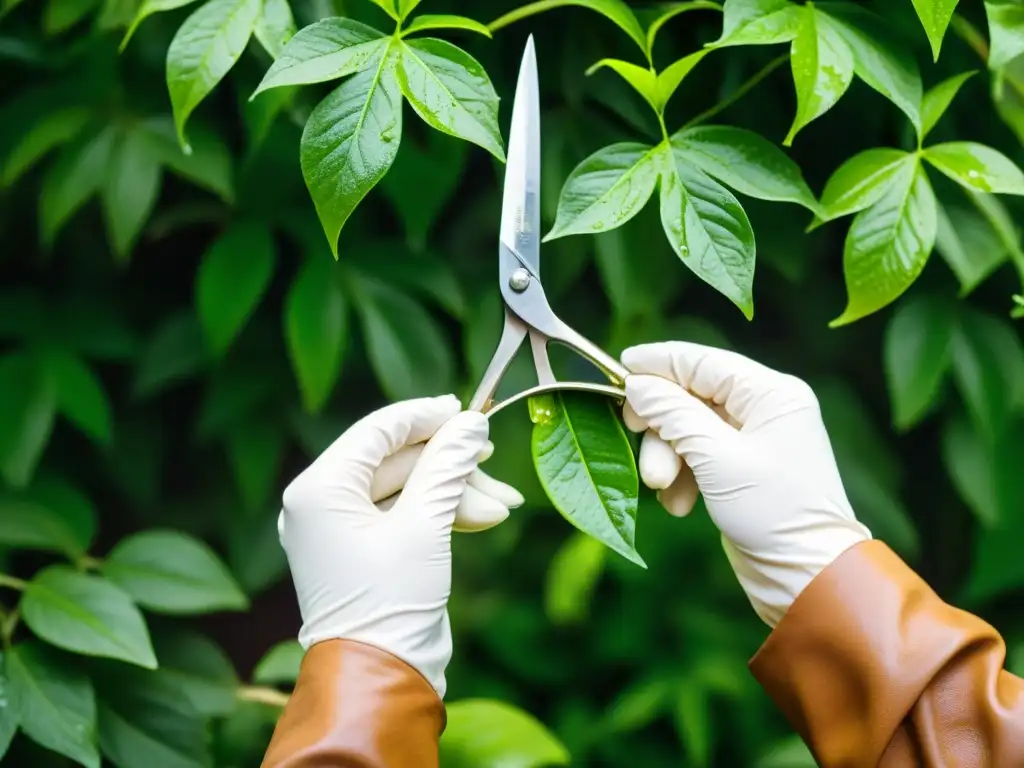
(755, 446)
(381, 574)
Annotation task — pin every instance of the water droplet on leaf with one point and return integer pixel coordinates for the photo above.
(542, 408)
(387, 137)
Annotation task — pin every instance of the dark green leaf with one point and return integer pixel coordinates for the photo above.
(977, 167)
(607, 189)
(586, 466)
(788, 753)
(935, 16)
(275, 27)
(973, 467)
(131, 184)
(280, 664)
(759, 22)
(327, 50)
(51, 516)
(1006, 31)
(58, 706)
(861, 181)
(86, 614)
(61, 15)
(451, 92)
(47, 133)
(917, 355)
(424, 274)
(72, 180)
(10, 710)
(80, 395)
(254, 450)
(209, 163)
(937, 100)
(349, 142)
(235, 392)
(170, 572)
(708, 229)
(204, 48)
(146, 9)
(572, 578)
(174, 352)
(888, 244)
(27, 411)
(231, 280)
(692, 720)
(970, 243)
(482, 732)
(445, 21)
(822, 64)
(616, 11)
(199, 670)
(254, 550)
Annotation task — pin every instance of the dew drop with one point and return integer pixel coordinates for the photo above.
(683, 250)
(598, 225)
(542, 409)
(973, 174)
(387, 137)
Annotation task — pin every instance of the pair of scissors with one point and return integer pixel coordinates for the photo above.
(527, 311)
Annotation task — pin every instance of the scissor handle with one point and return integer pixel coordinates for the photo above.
(559, 386)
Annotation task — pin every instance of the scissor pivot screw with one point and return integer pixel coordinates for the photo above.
(519, 281)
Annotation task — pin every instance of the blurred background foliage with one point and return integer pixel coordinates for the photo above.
(123, 410)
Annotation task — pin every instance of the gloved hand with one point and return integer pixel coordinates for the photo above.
(755, 446)
(376, 567)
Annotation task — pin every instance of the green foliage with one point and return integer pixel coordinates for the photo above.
(177, 341)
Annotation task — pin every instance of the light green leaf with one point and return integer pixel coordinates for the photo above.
(231, 280)
(888, 244)
(173, 573)
(405, 7)
(674, 74)
(205, 47)
(483, 732)
(916, 354)
(131, 184)
(606, 190)
(572, 578)
(670, 12)
(51, 516)
(209, 164)
(147, 9)
(327, 50)
(975, 241)
(451, 92)
(1006, 31)
(316, 330)
(935, 16)
(49, 132)
(586, 467)
(27, 411)
(616, 11)
(937, 100)
(86, 614)
(280, 664)
(745, 161)
(708, 229)
(977, 167)
(409, 353)
(880, 59)
(10, 712)
(862, 180)
(200, 671)
(642, 79)
(254, 449)
(275, 26)
(445, 21)
(349, 142)
(759, 22)
(72, 180)
(58, 706)
(822, 66)
(80, 395)
(175, 351)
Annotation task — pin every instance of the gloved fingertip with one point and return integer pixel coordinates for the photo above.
(486, 453)
(633, 422)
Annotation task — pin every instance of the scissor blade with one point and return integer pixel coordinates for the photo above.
(520, 211)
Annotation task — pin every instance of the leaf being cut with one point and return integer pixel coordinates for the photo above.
(86, 614)
(888, 244)
(822, 64)
(861, 181)
(759, 22)
(977, 167)
(586, 467)
(482, 732)
(935, 16)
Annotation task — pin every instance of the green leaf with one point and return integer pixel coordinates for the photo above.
(72, 180)
(745, 161)
(50, 516)
(693, 723)
(27, 411)
(205, 47)
(327, 50)
(916, 353)
(572, 578)
(862, 181)
(935, 16)
(670, 11)
(61, 15)
(388, 6)
(586, 467)
(643, 80)
(708, 229)
(175, 351)
(888, 244)
(788, 753)
(170, 572)
(937, 100)
(254, 548)
(445, 21)
(280, 664)
(483, 732)
(988, 364)
(973, 466)
(409, 353)
(975, 240)
(350, 141)
(759, 22)
(451, 92)
(10, 712)
(80, 395)
(146, 9)
(231, 280)
(405, 7)
(86, 614)
(606, 190)
(616, 11)
(254, 450)
(422, 274)
(638, 706)
(208, 165)
(880, 59)
(975, 166)
(58, 706)
(822, 64)
(131, 184)
(275, 27)
(1006, 31)
(199, 670)
(670, 78)
(47, 133)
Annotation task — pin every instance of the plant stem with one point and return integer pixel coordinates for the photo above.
(739, 93)
(12, 582)
(7, 627)
(262, 695)
(970, 35)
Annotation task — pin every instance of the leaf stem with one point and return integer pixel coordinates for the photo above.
(12, 582)
(739, 93)
(970, 35)
(262, 695)
(7, 627)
